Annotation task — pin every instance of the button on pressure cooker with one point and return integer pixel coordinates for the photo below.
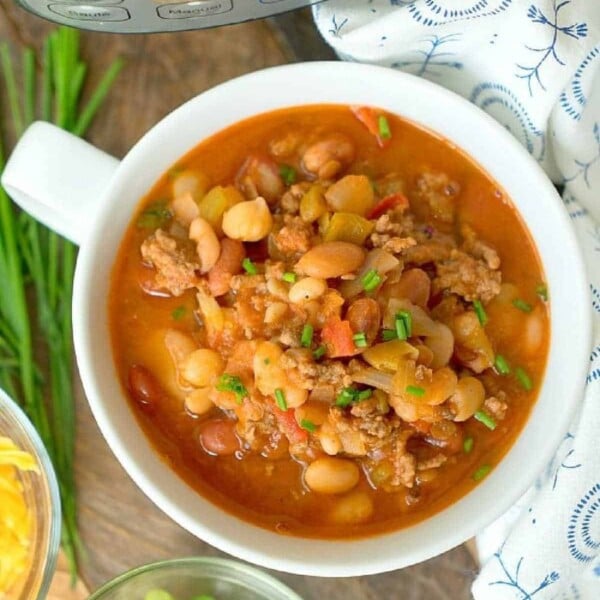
(199, 8)
(85, 12)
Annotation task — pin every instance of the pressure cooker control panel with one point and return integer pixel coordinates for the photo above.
(147, 16)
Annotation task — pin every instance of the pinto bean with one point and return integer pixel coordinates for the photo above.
(331, 259)
(328, 156)
(415, 285)
(259, 176)
(218, 437)
(364, 315)
(229, 264)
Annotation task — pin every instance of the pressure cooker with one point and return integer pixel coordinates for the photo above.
(155, 16)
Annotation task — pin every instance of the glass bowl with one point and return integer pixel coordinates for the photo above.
(40, 491)
(194, 578)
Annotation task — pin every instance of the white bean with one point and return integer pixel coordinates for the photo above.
(248, 221)
(330, 442)
(308, 288)
(192, 182)
(207, 243)
(356, 507)
(185, 209)
(198, 402)
(467, 398)
(202, 367)
(275, 312)
(328, 475)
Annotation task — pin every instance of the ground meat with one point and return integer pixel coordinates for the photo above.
(294, 238)
(274, 270)
(468, 277)
(299, 363)
(428, 252)
(435, 196)
(479, 249)
(404, 463)
(392, 243)
(290, 201)
(385, 225)
(374, 420)
(431, 463)
(496, 406)
(176, 269)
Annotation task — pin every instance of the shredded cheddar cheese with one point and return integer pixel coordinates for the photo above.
(16, 519)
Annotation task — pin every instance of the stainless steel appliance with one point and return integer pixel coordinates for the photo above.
(155, 16)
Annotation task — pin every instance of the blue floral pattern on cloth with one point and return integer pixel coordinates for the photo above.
(534, 65)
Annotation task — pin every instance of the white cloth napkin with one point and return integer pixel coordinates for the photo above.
(534, 65)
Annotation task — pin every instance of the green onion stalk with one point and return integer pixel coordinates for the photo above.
(37, 265)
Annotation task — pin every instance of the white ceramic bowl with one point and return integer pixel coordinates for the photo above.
(64, 177)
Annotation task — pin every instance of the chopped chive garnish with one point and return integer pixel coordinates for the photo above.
(384, 127)
(319, 352)
(388, 334)
(364, 395)
(178, 313)
(289, 277)
(407, 318)
(403, 323)
(370, 280)
(249, 267)
(485, 419)
(468, 445)
(542, 291)
(280, 399)
(480, 312)
(288, 174)
(307, 336)
(524, 379)
(415, 390)
(522, 305)
(481, 472)
(308, 425)
(155, 215)
(350, 394)
(401, 332)
(360, 340)
(345, 397)
(176, 170)
(267, 361)
(232, 383)
(501, 365)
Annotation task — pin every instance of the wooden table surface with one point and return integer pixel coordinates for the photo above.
(120, 527)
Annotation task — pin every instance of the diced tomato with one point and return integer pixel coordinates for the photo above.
(337, 337)
(391, 201)
(288, 424)
(369, 117)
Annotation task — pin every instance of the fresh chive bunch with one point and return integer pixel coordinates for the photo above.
(37, 265)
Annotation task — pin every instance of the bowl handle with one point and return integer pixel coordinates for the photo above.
(58, 178)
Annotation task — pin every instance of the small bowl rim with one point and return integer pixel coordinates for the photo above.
(225, 563)
(49, 480)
